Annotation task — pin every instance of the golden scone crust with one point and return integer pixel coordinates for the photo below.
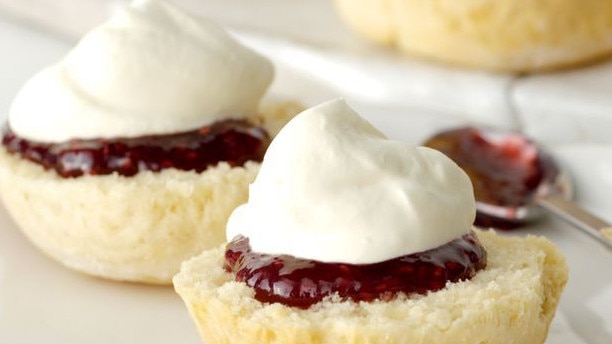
(137, 228)
(512, 301)
(508, 35)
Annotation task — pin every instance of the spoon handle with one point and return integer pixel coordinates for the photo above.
(574, 214)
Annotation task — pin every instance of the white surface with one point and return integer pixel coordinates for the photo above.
(41, 302)
(577, 103)
(393, 81)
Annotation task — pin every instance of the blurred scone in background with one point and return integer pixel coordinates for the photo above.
(504, 36)
(508, 36)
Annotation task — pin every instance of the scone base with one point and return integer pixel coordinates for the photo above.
(138, 228)
(512, 301)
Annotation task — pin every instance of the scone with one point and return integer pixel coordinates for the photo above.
(348, 237)
(127, 156)
(512, 301)
(508, 35)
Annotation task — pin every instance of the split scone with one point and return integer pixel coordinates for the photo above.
(508, 35)
(513, 300)
(127, 156)
(349, 237)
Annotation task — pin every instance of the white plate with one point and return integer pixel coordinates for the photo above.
(41, 302)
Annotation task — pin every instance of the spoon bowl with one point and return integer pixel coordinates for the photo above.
(515, 180)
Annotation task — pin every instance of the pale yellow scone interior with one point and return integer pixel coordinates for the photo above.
(513, 300)
(137, 228)
(499, 35)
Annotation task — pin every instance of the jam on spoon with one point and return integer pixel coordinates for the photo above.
(507, 170)
(511, 175)
(232, 141)
(302, 282)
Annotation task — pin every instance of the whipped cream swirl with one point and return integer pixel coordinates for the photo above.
(332, 188)
(151, 69)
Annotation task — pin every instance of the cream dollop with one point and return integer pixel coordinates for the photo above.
(332, 188)
(151, 69)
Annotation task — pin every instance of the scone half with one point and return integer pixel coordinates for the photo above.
(505, 36)
(513, 300)
(137, 228)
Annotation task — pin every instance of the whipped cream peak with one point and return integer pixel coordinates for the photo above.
(150, 69)
(333, 188)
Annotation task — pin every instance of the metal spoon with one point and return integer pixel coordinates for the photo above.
(577, 216)
(504, 158)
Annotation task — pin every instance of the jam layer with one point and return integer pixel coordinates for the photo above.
(231, 141)
(301, 282)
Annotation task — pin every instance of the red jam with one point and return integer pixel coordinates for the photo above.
(505, 169)
(301, 282)
(232, 141)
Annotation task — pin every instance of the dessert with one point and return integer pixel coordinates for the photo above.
(348, 237)
(127, 156)
(508, 36)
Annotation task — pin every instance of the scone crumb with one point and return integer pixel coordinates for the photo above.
(513, 300)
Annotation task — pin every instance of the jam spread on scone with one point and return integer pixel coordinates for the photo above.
(506, 170)
(339, 210)
(231, 141)
(303, 282)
